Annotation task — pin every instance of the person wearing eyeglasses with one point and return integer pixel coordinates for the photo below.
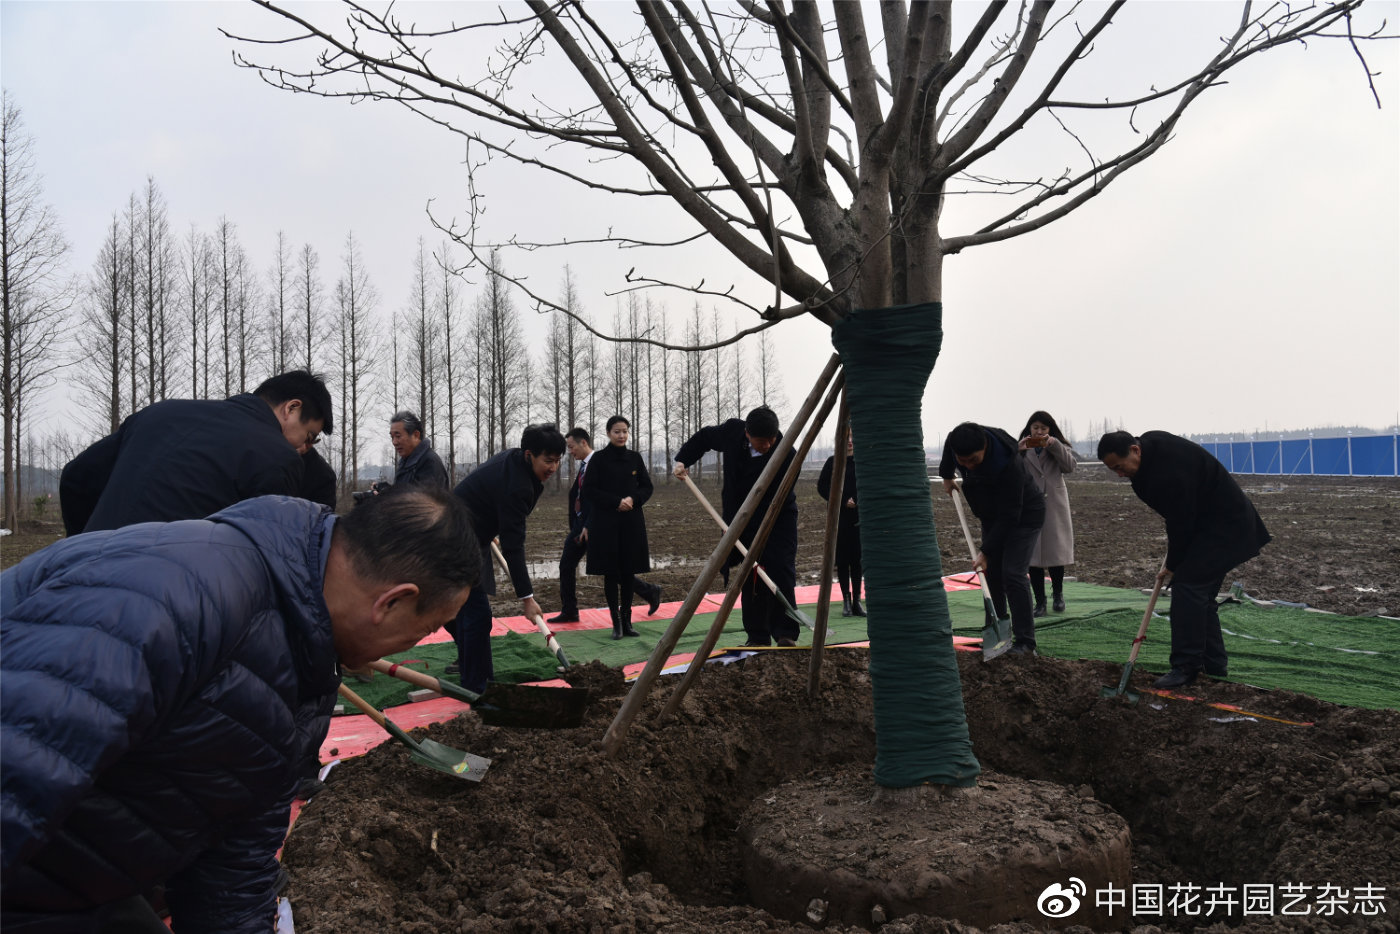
(189, 458)
(1212, 528)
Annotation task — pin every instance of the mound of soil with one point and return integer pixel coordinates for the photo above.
(559, 837)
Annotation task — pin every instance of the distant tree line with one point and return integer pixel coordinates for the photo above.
(170, 310)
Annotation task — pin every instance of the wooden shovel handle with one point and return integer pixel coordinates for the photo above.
(1147, 617)
(724, 527)
(410, 675)
(365, 706)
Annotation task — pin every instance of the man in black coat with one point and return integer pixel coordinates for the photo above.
(1012, 510)
(580, 445)
(418, 462)
(747, 447)
(187, 459)
(501, 494)
(160, 682)
(1212, 527)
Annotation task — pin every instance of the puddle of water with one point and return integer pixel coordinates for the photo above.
(549, 570)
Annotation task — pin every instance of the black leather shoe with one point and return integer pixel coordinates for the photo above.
(856, 608)
(846, 607)
(751, 644)
(567, 616)
(1022, 648)
(1059, 603)
(1176, 678)
(654, 601)
(1039, 610)
(787, 643)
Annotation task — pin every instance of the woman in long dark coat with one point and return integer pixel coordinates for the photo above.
(615, 486)
(847, 532)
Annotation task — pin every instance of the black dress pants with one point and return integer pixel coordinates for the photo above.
(1009, 584)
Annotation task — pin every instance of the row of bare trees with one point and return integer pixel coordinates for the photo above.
(466, 368)
(35, 293)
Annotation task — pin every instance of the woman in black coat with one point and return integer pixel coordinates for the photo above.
(847, 532)
(615, 486)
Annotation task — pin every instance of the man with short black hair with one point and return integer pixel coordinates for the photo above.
(1003, 495)
(189, 458)
(580, 445)
(418, 462)
(501, 494)
(1212, 527)
(160, 684)
(747, 447)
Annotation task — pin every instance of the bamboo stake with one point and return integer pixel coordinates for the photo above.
(632, 703)
(834, 504)
(746, 566)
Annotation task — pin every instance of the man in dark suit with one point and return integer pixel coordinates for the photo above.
(580, 445)
(1003, 495)
(747, 446)
(1212, 527)
(187, 459)
(501, 494)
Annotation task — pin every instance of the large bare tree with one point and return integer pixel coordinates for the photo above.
(35, 293)
(839, 153)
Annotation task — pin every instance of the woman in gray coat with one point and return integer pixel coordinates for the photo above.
(1048, 457)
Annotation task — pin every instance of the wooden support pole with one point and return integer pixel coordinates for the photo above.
(632, 703)
(760, 538)
(836, 501)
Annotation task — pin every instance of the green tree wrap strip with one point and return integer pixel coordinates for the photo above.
(920, 725)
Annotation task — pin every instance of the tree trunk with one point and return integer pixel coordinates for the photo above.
(921, 730)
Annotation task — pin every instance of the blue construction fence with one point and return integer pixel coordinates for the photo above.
(1361, 456)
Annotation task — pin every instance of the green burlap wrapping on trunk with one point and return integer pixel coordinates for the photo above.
(920, 726)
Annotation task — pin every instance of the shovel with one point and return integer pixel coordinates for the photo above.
(996, 633)
(1122, 688)
(792, 612)
(504, 704)
(434, 755)
(550, 642)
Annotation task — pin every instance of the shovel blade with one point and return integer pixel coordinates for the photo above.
(1122, 689)
(994, 643)
(451, 761)
(996, 634)
(516, 705)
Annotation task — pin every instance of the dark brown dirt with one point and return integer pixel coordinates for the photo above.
(561, 838)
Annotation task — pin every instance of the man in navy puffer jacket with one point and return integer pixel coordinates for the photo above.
(152, 680)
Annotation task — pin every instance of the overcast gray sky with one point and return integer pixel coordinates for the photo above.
(1244, 278)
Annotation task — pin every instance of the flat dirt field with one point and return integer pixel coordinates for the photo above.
(560, 837)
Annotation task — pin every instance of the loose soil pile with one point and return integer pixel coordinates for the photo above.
(561, 838)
